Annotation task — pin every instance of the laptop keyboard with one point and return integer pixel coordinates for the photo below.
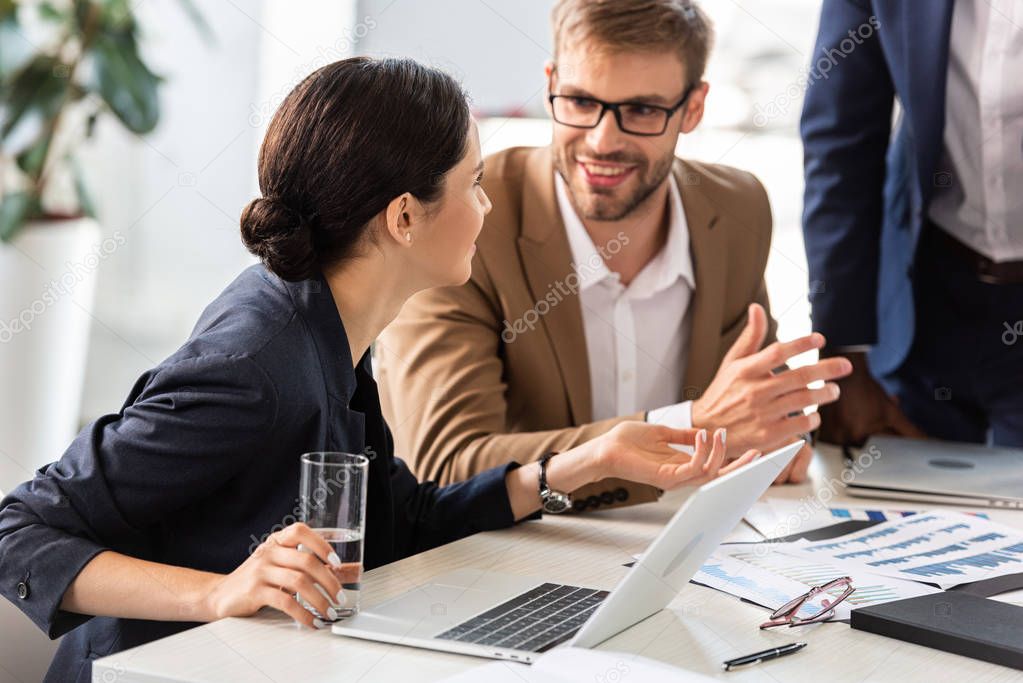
(534, 621)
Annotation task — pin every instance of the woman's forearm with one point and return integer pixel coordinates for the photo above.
(632, 450)
(115, 585)
(566, 471)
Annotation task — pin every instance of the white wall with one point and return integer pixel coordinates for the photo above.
(496, 48)
(177, 194)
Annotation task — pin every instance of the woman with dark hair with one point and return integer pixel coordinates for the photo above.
(369, 175)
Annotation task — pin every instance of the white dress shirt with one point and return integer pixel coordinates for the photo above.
(637, 337)
(981, 205)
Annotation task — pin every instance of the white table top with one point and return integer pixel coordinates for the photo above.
(699, 630)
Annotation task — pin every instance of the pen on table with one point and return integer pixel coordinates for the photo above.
(756, 657)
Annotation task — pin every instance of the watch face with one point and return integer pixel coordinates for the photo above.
(555, 503)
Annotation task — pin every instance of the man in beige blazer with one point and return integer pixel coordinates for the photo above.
(612, 281)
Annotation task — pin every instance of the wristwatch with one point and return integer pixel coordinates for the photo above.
(553, 502)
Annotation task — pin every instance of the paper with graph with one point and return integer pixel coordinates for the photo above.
(773, 517)
(941, 547)
(888, 561)
(764, 573)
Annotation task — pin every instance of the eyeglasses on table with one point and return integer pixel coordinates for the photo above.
(786, 615)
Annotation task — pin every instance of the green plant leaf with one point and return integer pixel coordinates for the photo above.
(49, 12)
(15, 208)
(31, 160)
(82, 10)
(116, 16)
(84, 196)
(124, 82)
(36, 87)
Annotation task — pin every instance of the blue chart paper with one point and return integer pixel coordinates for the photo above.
(769, 574)
(942, 547)
(845, 514)
(776, 517)
(763, 588)
(771, 592)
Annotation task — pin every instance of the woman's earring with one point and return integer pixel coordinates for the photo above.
(408, 236)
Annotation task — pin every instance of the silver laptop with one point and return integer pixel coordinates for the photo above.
(505, 616)
(939, 472)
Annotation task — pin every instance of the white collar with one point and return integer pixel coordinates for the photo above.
(673, 261)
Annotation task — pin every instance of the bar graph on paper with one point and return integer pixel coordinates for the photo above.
(775, 517)
(768, 576)
(892, 560)
(764, 588)
(941, 547)
(874, 515)
(870, 590)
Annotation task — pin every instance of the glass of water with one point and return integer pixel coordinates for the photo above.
(332, 499)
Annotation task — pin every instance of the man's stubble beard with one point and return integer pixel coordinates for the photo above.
(598, 204)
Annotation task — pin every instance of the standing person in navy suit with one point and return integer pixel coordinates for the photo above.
(914, 229)
(370, 180)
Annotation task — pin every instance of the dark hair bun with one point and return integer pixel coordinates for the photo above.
(330, 162)
(281, 238)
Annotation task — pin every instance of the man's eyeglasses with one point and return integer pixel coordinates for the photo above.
(786, 615)
(635, 118)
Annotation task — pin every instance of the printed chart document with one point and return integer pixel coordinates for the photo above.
(768, 574)
(579, 665)
(889, 561)
(775, 517)
(942, 547)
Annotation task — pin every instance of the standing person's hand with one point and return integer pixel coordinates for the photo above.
(275, 573)
(864, 409)
(761, 407)
(795, 471)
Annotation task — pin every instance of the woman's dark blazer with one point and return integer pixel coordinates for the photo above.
(203, 461)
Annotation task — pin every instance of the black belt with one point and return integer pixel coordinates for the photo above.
(991, 272)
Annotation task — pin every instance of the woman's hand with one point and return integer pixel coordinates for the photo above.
(274, 573)
(636, 451)
(643, 452)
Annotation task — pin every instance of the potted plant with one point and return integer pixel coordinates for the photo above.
(63, 65)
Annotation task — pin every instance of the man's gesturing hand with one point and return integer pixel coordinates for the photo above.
(762, 408)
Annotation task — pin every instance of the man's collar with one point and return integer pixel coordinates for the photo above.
(672, 262)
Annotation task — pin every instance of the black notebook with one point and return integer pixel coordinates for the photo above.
(951, 621)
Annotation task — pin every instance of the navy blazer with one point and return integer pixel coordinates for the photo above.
(867, 191)
(203, 461)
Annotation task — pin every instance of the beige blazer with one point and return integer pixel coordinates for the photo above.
(467, 384)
